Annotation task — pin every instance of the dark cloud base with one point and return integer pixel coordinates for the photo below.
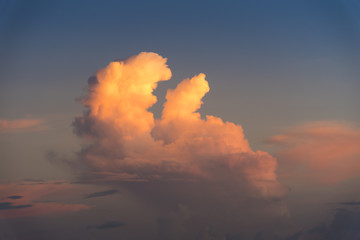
(14, 197)
(109, 224)
(102, 194)
(10, 206)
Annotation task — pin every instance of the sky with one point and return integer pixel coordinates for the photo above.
(179, 120)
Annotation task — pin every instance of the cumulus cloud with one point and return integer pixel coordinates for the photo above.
(327, 152)
(123, 140)
(201, 164)
(22, 125)
(30, 204)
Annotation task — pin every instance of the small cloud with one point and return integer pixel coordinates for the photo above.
(15, 197)
(102, 194)
(22, 125)
(31, 181)
(109, 224)
(10, 206)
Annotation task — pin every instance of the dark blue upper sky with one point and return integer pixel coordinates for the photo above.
(245, 47)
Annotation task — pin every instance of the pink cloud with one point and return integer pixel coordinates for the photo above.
(39, 209)
(32, 199)
(327, 152)
(22, 125)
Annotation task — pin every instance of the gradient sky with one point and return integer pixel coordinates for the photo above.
(286, 71)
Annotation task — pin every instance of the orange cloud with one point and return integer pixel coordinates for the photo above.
(21, 125)
(40, 209)
(124, 139)
(123, 93)
(327, 152)
(31, 199)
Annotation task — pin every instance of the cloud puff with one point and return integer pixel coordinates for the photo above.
(30, 204)
(123, 140)
(327, 152)
(22, 125)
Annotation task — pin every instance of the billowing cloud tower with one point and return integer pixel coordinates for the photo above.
(123, 141)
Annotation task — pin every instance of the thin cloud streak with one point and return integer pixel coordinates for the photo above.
(107, 225)
(9, 206)
(349, 203)
(102, 194)
(30, 202)
(22, 125)
(15, 197)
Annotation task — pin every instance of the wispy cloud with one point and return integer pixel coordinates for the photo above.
(101, 194)
(352, 203)
(22, 125)
(15, 197)
(107, 225)
(26, 199)
(327, 152)
(9, 206)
